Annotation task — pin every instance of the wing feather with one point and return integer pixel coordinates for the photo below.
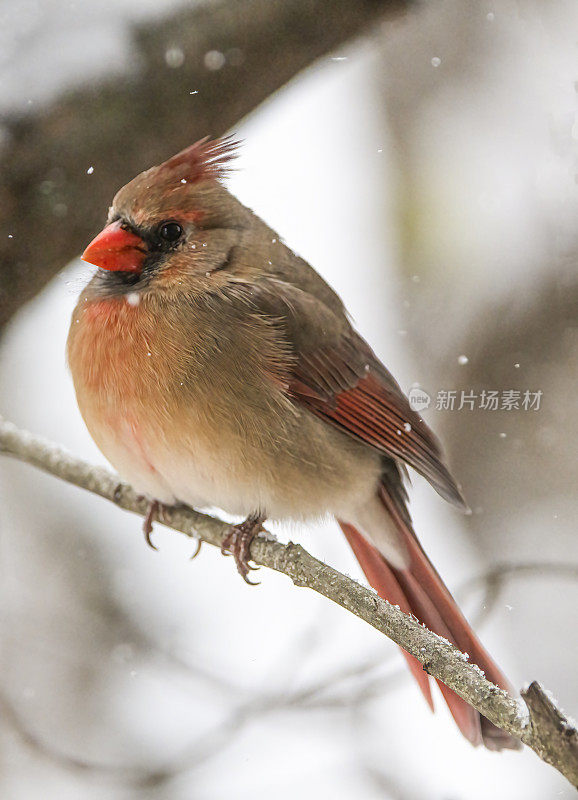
(336, 376)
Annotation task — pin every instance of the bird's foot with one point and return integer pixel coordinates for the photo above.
(154, 515)
(147, 526)
(238, 543)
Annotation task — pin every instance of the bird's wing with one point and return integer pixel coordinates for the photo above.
(334, 374)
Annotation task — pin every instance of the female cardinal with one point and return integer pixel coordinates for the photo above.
(213, 366)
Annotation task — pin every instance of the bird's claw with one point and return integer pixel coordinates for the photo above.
(152, 515)
(197, 549)
(147, 526)
(238, 543)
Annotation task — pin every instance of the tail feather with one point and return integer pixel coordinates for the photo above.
(419, 590)
(381, 577)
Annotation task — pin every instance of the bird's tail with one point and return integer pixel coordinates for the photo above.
(419, 590)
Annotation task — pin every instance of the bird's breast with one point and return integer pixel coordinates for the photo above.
(192, 408)
(179, 406)
(111, 347)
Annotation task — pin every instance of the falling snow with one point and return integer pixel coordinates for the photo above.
(214, 60)
(133, 299)
(174, 57)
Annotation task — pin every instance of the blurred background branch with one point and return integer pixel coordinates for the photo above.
(335, 691)
(206, 69)
(547, 731)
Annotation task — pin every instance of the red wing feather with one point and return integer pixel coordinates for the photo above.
(354, 397)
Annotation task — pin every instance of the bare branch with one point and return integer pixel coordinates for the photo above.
(547, 731)
(555, 737)
(493, 581)
(124, 124)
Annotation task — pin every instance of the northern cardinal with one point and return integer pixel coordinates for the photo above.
(215, 367)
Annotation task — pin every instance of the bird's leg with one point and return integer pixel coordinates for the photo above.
(147, 526)
(238, 542)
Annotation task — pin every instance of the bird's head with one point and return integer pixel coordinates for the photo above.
(174, 218)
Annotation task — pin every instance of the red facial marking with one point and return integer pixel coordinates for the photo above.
(184, 215)
(116, 249)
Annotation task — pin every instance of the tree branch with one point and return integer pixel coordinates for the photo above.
(124, 124)
(545, 729)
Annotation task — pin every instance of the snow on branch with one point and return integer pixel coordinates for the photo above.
(543, 727)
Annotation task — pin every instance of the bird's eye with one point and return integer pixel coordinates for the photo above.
(170, 231)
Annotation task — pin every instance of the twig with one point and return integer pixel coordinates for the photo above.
(494, 580)
(546, 730)
(138, 777)
(555, 737)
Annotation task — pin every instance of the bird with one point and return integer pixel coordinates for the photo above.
(215, 367)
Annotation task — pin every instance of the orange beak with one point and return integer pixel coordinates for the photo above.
(116, 249)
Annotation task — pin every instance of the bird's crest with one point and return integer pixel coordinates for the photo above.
(205, 159)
